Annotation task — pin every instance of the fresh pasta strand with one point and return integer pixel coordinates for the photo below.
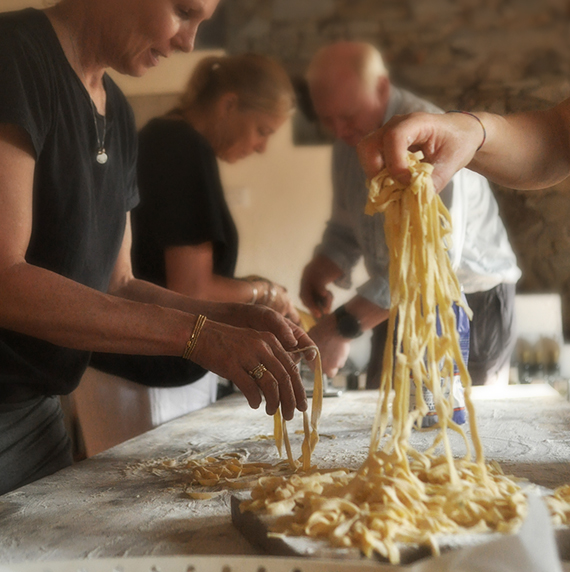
(310, 428)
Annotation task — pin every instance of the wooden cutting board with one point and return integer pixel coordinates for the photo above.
(255, 528)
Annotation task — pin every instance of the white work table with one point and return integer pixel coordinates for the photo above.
(100, 508)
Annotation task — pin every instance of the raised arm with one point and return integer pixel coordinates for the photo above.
(527, 150)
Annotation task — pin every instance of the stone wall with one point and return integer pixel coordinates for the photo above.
(495, 55)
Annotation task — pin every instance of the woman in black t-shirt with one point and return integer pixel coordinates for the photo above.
(67, 182)
(184, 237)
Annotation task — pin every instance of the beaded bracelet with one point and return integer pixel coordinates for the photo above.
(191, 343)
(480, 123)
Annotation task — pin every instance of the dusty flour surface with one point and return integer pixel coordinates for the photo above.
(102, 507)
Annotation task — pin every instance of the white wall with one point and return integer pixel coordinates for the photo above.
(170, 76)
(280, 201)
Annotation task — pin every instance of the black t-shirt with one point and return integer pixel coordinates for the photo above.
(79, 205)
(182, 200)
(182, 203)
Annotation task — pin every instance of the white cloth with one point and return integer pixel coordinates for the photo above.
(481, 252)
(167, 403)
(532, 549)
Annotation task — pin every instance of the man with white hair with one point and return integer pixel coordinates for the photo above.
(353, 96)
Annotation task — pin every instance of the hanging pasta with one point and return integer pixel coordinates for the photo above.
(400, 495)
(310, 426)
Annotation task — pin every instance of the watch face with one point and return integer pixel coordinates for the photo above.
(347, 325)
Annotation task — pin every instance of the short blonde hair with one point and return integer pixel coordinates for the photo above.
(259, 82)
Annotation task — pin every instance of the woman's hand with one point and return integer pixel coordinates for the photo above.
(234, 353)
(274, 296)
(263, 319)
(448, 141)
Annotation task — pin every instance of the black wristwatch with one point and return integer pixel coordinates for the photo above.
(347, 325)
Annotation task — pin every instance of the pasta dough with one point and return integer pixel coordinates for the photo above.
(400, 495)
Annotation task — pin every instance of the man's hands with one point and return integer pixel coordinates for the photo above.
(448, 141)
(334, 348)
(320, 272)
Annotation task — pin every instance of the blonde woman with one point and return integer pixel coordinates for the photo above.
(184, 237)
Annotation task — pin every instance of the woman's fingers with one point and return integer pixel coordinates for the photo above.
(256, 362)
(276, 324)
(284, 305)
(292, 314)
(270, 379)
(285, 372)
(303, 341)
(275, 384)
(248, 387)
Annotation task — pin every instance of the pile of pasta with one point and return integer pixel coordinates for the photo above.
(559, 505)
(400, 495)
(204, 477)
(232, 470)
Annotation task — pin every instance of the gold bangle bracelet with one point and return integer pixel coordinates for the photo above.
(191, 343)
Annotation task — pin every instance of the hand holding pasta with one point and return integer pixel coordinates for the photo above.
(400, 495)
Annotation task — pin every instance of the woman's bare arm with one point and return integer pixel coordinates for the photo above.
(190, 271)
(137, 317)
(41, 303)
(525, 150)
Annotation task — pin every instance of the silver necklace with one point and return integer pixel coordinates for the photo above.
(101, 154)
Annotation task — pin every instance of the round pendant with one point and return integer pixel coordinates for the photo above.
(102, 157)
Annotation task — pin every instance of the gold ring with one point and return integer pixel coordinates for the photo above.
(257, 372)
